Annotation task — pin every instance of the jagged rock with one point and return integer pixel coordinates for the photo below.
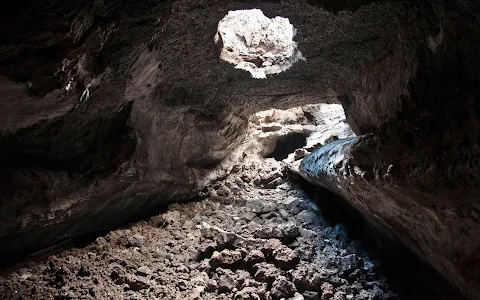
(226, 259)
(310, 295)
(282, 288)
(254, 257)
(271, 127)
(266, 272)
(144, 271)
(327, 291)
(285, 258)
(247, 293)
(136, 283)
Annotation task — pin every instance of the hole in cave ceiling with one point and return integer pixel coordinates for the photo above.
(257, 44)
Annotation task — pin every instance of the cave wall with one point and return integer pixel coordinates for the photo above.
(414, 172)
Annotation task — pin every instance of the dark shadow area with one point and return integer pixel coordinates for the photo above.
(411, 277)
(288, 144)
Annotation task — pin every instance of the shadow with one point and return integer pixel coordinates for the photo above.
(288, 144)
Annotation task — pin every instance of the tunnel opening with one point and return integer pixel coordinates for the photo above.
(287, 144)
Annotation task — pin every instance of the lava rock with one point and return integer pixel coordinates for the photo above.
(285, 258)
(266, 272)
(310, 295)
(282, 288)
(247, 293)
(226, 259)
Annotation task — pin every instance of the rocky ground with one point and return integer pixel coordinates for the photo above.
(253, 236)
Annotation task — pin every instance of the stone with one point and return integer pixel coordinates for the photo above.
(285, 258)
(136, 283)
(269, 127)
(226, 282)
(327, 291)
(226, 259)
(143, 271)
(270, 246)
(247, 293)
(211, 285)
(182, 285)
(282, 288)
(136, 240)
(297, 296)
(311, 295)
(254, 257)
(300, 153)
(265, 272)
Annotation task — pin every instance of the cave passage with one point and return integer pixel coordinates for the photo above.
(258, 233)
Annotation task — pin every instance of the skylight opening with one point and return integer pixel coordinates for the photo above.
(257, 44)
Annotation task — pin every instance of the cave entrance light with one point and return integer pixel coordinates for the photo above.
(255, 43)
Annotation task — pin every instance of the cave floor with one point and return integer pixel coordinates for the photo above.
(253, 235)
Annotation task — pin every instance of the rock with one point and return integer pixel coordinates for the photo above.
(247, 293)
(308, 234)
(211, 285)
(274, 183)
(136, 240)
(349, 262)
(226, 281)
(223, 190)
(271, 127)
(297, 296)
(260, 206)
(226, 259)
(270, 177)
(339, 296)
(254, 257)
(196, 293)
(285, 258)
(136, 283)
(300, 153)
(284, 232)
(311, 295)
(270, 246)
(182, 285)
(171, 217)
(83, 271)
(327, 291)
(143, 271)
(282, 288)
(265, 272)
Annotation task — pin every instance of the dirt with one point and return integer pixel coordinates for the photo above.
(254, 235)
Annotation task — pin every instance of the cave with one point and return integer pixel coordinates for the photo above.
(240, 149)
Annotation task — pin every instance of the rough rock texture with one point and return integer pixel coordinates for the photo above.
(112, 108)
(209, 250)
